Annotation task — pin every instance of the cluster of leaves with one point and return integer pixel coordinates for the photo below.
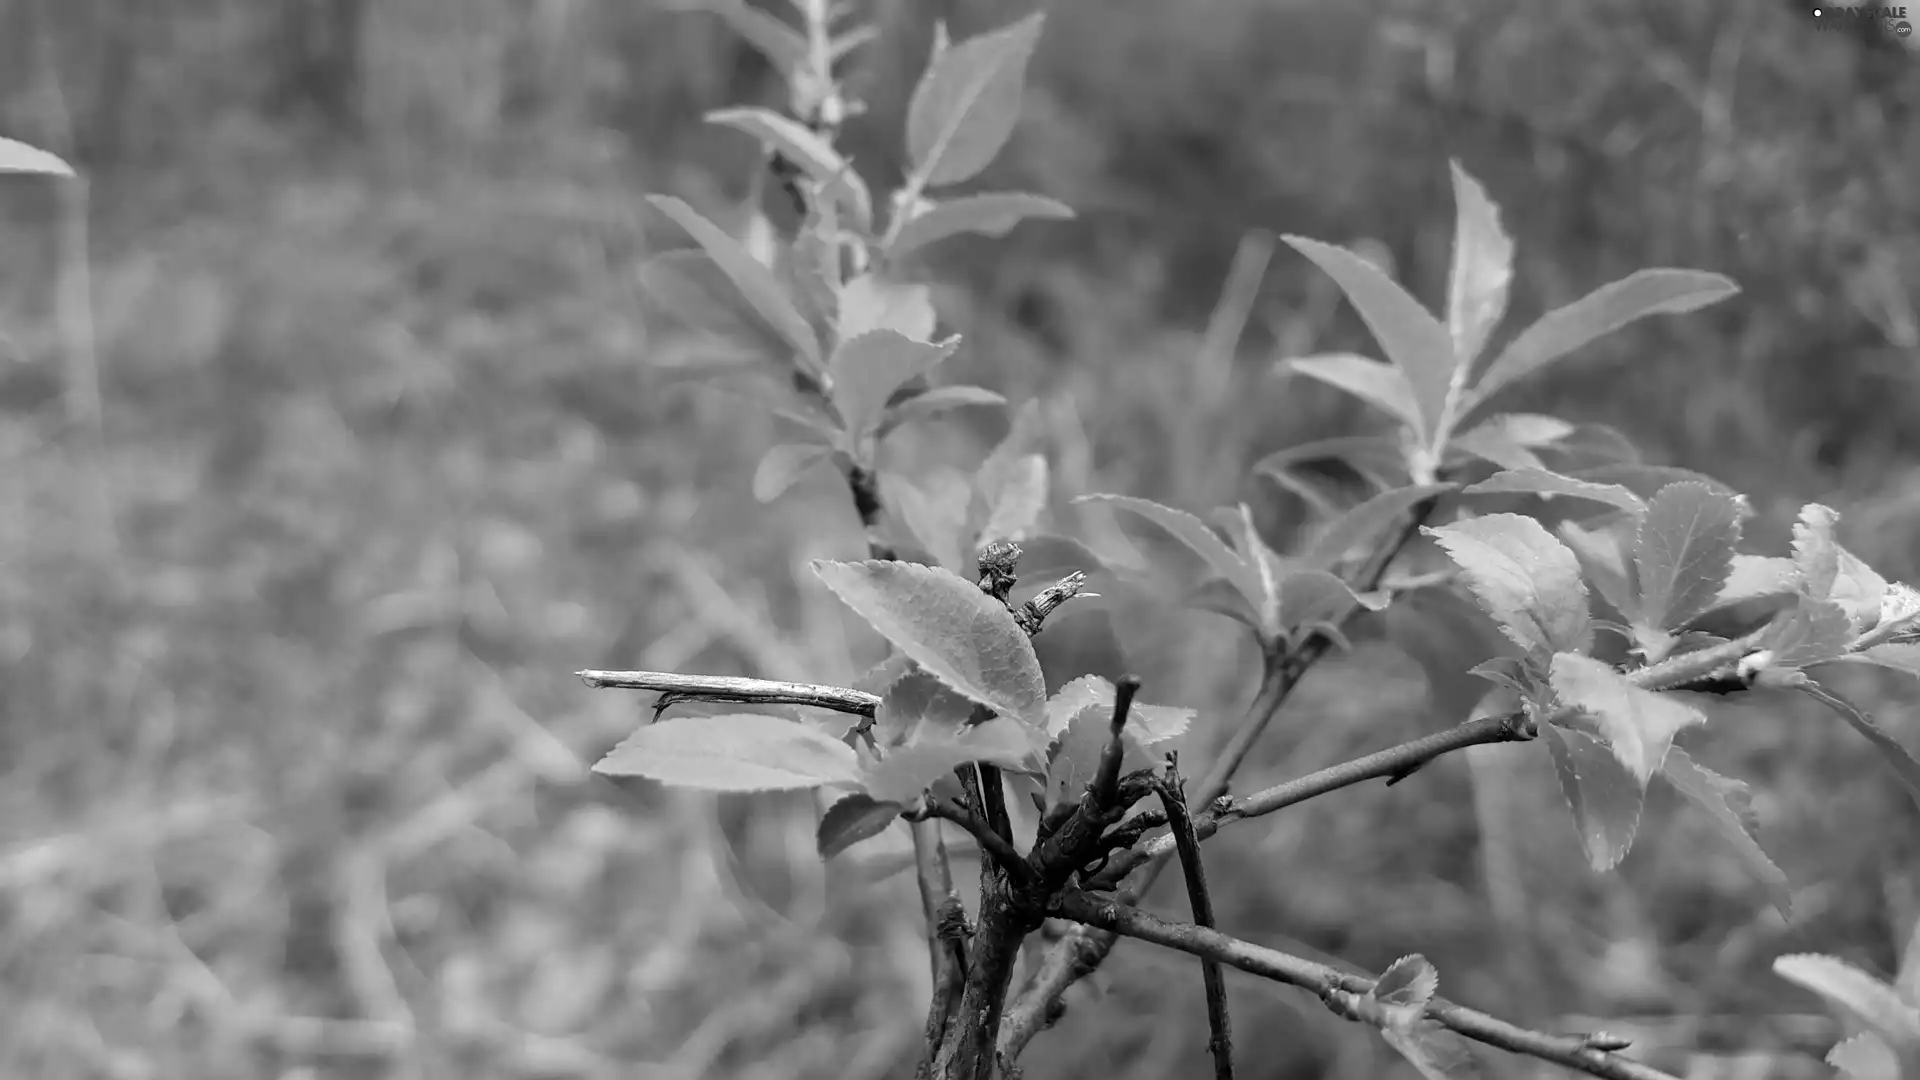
(1884, 1019)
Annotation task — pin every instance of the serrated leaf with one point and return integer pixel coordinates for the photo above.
(1447, 636)
(1016, 500)
(867, 370)
(1528, 581)
(756, 283)
(1381, 385)
(1531, 481)
(1682, 555)
(1481, 272)
(1379, 460)
(882, 676)
(1417, 343)
(811, 152)
(1638, 724)
(1196, 536)
(1646, 481)
(1812, 632)
(1864, 1057)
(1409, 982)
(906, 771)
(948, 626)
(1403, 992)
(1364, 524)
(1831, 572)
(935, 511)
(18, 157)
(1729, 806)
(1857, 995)
(738, 752)
(784, 464)
(964, 108)
(871, 302)
(853, 819)
(1605, 799)
(1603, 559)
(1754, 577)
(1079, 718)
(940, 399)
(1561, 331)
(990, 214)
(781, 44)
(914, 704)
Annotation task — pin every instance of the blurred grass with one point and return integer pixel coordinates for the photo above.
(292, 767)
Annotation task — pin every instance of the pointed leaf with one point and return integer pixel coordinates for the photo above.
(1646, 480)
(934, 511)
(1729, 806)
(1831, 572)
(739, 752)
(871, 302)
(783, 465)
(1528, 581)
(1380, 385)
(1197, 537)
(1754, 577)
(1638, 724)
(1492, 444)
(1857, 995)
(1864, 1057)
(755, 282)
(1364, 524)
(1016, 501)
(1481, 272)
(688, 289)
(811, 152)
(1812, 632)
(18, 157)
(1146, 724)
(1603, 559)
(1529, 481)
(1416, 342)
(781, 44)
(991, 214)
(1600, 312)
(965, 106)
(917, 706)
(940, 399)
(1447, 636)
(853, 819)
(1605, 798)
(948, 626)
(1376, 458)
(867, 370)
(1683, 554)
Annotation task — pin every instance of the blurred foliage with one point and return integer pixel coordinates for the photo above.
(333, 447)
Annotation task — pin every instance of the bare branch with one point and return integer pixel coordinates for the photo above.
(735, 689)
(1575, 1052)
(1219, 1022)
(997, 847)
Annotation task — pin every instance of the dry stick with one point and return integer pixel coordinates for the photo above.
(1572, 1051)
(1078, 953)
(1219, 1022)
(674, 687)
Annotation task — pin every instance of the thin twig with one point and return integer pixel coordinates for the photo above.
(998, 847)
(1219, 1021)
(1572, 1051)
(675, 687)
(1106, 781)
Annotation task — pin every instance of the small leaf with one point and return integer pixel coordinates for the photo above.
(1528, 581)
(1831, 572)
(1197, 537)
(1857, 995)
(948, 626)
(1402, 993)
(1603, 558)
(935, 512)
(867, 370)
(1812, 632)
(783, 465)
(1755, 577)
(870, 302)
(739, 752)
(781, 44)
(1729, 806)
(907, 771)
(1683, 554)
(913, 705)
(811, 152)
(1481, 272)
(1529, 481)
(1600, 312)
(1409, 982)
(1416, 342)
(964, 108)
(1016, 501)
(1379, 460)
(18, 157)
(755, 282)
(1638, 724)
(1378, 384)
(940, 399)
(1605, 798)
(1146, 724)
(853, 819)
(1364, 524)
(1864, 1057)
(991, 214)
(1491, 442)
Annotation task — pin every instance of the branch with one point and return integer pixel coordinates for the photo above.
(1219, 1022)
(1106, 780)
(674, 687)
(1572, 1051)
(998, 847)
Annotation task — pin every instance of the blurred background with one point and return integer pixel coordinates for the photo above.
(335, 441)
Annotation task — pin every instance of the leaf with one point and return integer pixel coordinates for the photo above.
(1016, 501)
(1196, 536)
(990, 214)
(783, 465)
(1646, 480)
(1481, 273)
(1447, 636)
(1497, 443)
(1528, 581)
(1530, 481)
(1897, 757)
(1729, 806)
(940, 399)
(1402, 994)
(738, 752)
(1362, 525)
(1603, 558)
(1831, 572)
(781, 44)
(948, 626)
(1812, 632)
(1605, 798)
(1859, 996)
(1682, 555)
(1146, 724)
(1379, 460)
(1754, 577)
(688, 289)
(1639, 724)
(916, 703)
(907, 771)
(935, 512)
(1900, 656)
(811, 152)
(867, 370)
(1314, 599)
(1600, 312)
(1412, 338)
(1378, 384)
(1864, 1057)
(755, 282)
(870, 302)
(1408, 983)
(18, 157)
(964, 108)
(854, 818)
